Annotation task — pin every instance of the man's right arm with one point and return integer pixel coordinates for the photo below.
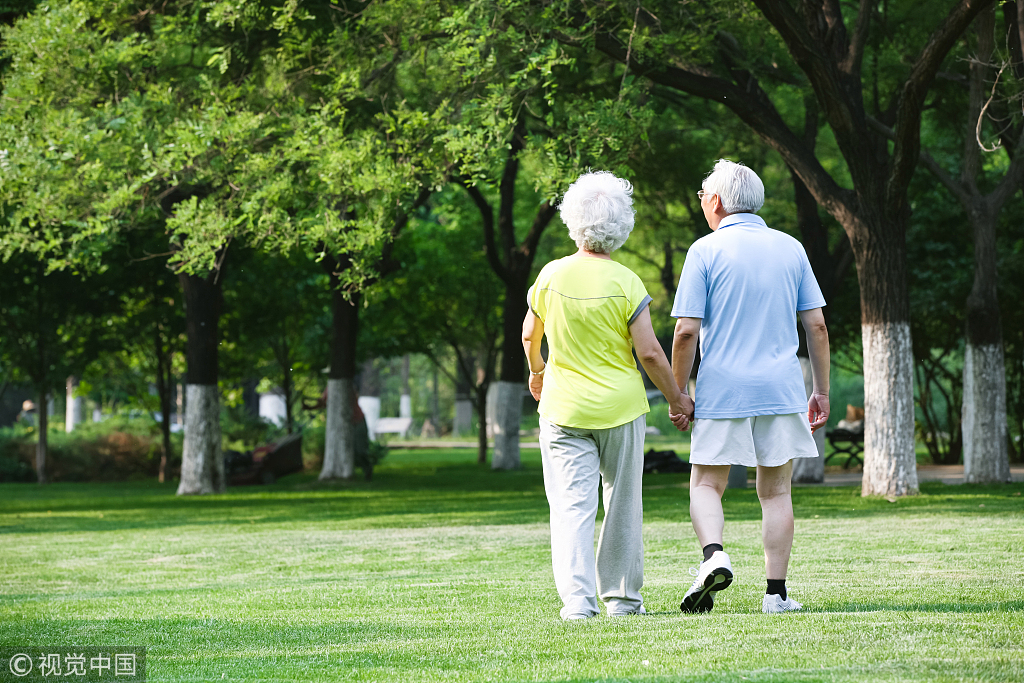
(813, 321)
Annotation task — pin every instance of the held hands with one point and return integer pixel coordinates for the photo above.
(817, 411)
(680, 411)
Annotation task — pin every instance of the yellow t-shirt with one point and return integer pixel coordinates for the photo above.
(591, 380)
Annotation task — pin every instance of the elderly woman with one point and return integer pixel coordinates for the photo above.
(593, 405)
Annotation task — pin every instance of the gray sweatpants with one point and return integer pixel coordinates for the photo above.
(574, 462)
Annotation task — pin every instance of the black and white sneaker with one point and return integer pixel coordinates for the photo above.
(715, 574)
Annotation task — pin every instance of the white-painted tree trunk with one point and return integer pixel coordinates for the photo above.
(507, 411)
(75, 407)
(890, 465)
(405, 405)
(339, 443)
(180, 406)
(370, 405)
(202, 465)
(737, 477)
(984, 415)
(463, 417)
(810, 470)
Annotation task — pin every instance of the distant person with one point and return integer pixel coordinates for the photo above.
(742, 289)
(593, 405)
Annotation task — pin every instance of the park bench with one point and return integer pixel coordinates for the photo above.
(393, 425)
(847, 442)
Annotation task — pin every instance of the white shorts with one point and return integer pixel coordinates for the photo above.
(766, 440)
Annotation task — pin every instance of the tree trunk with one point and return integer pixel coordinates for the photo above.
(339, 451)
(339, 445)
(163, 390)
(74, 408)
(435, 407)
(508, 411)
(983, 414)
(508, 393)
(202, 463)
(463, 403)
(369, 396)
(890, 463)
(288, 389)
(984, 408)
(481, 431)
(41, 425)
(405, 400)
(810, 470)
(251, 398)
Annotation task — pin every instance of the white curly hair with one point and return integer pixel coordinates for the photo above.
(598, 210)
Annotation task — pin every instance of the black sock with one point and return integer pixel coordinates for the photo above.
(710, 549)
(778, 587)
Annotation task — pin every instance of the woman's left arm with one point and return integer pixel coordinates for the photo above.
(652, 357)
(533, 332)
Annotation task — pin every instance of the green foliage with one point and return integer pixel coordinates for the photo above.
(277, 323)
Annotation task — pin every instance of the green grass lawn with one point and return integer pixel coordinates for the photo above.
(440, 570)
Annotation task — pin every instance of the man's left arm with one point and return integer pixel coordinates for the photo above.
(813, 321)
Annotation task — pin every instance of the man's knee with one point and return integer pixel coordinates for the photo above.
(774, 482)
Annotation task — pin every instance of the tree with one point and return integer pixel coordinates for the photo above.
(984, 376)
(658, 42)
(445, 297)
(54, 324)
(280, 322)
(534, 113)
(175, 115)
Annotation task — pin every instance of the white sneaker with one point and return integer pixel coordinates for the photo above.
(578, 616)
(774, 604)
(715, 574)
(638, 610)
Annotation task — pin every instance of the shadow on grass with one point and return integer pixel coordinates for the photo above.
(969, 607)
(440, 489)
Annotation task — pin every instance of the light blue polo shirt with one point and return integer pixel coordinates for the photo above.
(746, 282)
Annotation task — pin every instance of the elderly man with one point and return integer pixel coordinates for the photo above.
(742, 289)
(592, 401)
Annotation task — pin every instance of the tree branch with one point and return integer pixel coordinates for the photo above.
(855, 55)
(544, 215)
(752, 105)
(809, 52)
(487, 217)
(929, 162)
(1011, 182)
(387, 264)
(507, 189)
(907, 148)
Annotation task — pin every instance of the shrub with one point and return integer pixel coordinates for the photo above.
(116, 449)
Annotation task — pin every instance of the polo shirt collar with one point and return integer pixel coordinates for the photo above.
(741, 218)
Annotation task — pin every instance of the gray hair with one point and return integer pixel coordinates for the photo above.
(738, 188)
(598, 210)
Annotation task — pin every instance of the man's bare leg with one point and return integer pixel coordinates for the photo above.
(774, 489)
(707, 484)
